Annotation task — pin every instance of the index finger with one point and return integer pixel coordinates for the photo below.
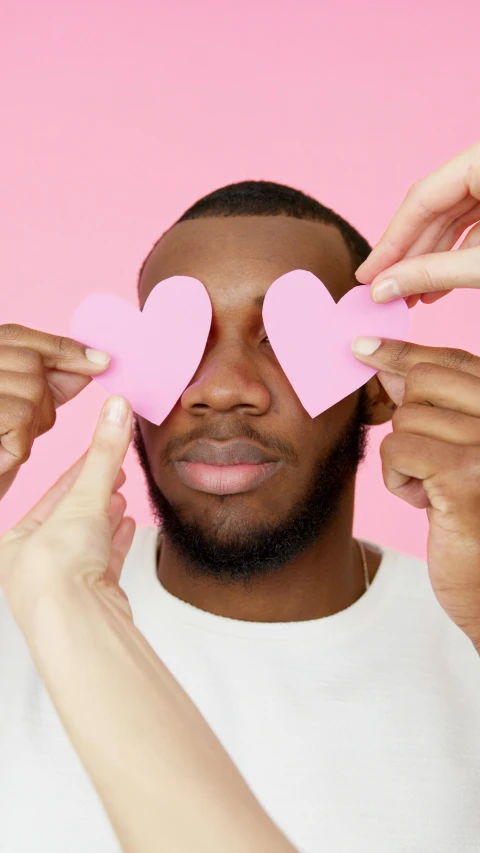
(426, 199)
(93, 487)
(398, 357)
(57, 352)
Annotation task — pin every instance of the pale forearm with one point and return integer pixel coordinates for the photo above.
(162, 775)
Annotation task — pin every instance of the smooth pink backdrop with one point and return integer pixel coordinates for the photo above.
(116, 116)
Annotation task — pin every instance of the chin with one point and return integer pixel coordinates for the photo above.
(224, 515)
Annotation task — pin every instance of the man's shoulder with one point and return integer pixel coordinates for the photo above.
(141, 557)
(406, 573)
(145, 532)
(409, 578)
(410, 563)
(144, 541)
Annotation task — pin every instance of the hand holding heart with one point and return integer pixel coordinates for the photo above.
(432, 461)
(155, 353)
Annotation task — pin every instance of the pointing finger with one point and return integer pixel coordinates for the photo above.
(104, 458)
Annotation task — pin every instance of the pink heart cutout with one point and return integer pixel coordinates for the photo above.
(312, 335)
(154, 352)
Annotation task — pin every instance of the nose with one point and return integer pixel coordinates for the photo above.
(228, 378)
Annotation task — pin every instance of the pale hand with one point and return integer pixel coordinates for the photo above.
(413, 254)
(76, 535)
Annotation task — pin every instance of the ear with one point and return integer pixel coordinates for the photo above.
(380, 406)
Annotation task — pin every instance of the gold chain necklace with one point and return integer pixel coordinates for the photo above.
(364, 563)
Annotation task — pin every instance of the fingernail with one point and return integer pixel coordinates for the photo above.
(385, 290)
(366, 346)
(115, 411)
(97, 356)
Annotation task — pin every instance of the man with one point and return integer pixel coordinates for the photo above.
(353, 714)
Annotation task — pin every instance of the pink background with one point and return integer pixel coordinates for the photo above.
(116, 116)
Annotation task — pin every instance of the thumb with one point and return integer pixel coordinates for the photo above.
(440, 271)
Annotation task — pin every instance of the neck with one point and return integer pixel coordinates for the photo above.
(327, 578)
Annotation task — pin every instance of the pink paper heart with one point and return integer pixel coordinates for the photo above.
(312, 335)
(154, 352)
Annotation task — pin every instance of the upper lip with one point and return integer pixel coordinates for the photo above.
(233, 452)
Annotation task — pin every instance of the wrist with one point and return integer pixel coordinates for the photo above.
(102, 674)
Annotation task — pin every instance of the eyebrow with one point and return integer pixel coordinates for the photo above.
(258, 301)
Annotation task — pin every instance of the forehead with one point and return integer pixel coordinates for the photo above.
(237, 258)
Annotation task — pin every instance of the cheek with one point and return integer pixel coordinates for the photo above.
(153, 440)
(318, 435)
(293, 420)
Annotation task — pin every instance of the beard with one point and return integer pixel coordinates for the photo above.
(255, 551)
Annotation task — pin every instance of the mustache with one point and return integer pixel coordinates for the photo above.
(225, 431)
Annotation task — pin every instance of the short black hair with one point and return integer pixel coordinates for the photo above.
(266, 198)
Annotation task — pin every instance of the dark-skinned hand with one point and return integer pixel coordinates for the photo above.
(432, 461)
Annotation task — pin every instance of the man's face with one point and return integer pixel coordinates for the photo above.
(257, 515)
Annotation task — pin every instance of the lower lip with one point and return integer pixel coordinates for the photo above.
(225, 479)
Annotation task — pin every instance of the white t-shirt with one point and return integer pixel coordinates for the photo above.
(358, 732)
